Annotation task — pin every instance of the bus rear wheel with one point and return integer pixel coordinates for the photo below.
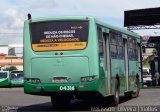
(117, 91)
(128, 94)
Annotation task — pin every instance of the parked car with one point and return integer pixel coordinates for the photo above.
(147, 78)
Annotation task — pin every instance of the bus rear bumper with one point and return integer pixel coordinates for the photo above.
(66, 88)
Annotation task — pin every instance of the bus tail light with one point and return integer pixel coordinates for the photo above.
(88, 78)
(93, 77)
(37, 81)
(33, 80)
(82, 79)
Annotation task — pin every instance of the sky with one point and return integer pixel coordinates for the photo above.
(14, 12)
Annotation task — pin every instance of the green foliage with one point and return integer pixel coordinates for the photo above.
(146, 62)
(11, 68)
(154, 52)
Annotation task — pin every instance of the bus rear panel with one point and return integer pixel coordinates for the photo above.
(60, 56)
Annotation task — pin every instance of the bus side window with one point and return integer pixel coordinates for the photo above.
(100, 42)
(116, 45)
(120, 47)
(113, 45)
(132, 49)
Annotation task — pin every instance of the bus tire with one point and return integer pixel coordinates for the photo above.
(60, 101)
(137, 89)
(128, 95)
(117, 91)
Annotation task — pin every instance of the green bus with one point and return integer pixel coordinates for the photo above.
(79, 58)
(4, 78)
(16, 78)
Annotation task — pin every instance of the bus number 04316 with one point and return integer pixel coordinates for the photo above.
(66, 88)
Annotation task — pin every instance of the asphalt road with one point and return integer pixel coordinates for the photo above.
(14, 99)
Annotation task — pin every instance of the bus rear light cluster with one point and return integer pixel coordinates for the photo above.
(87, 78)
(82, 79)
(33, 80)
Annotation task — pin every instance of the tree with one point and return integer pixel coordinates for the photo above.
(146, 62)
(11, 68)
(154, 52)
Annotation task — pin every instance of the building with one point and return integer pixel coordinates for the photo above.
(11, 55)
(15, 49)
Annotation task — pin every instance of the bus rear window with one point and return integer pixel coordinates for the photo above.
(59, 35)
(3, 75)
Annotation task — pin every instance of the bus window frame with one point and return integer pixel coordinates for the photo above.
(132, 48)
(117, 36)
(100, 42)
